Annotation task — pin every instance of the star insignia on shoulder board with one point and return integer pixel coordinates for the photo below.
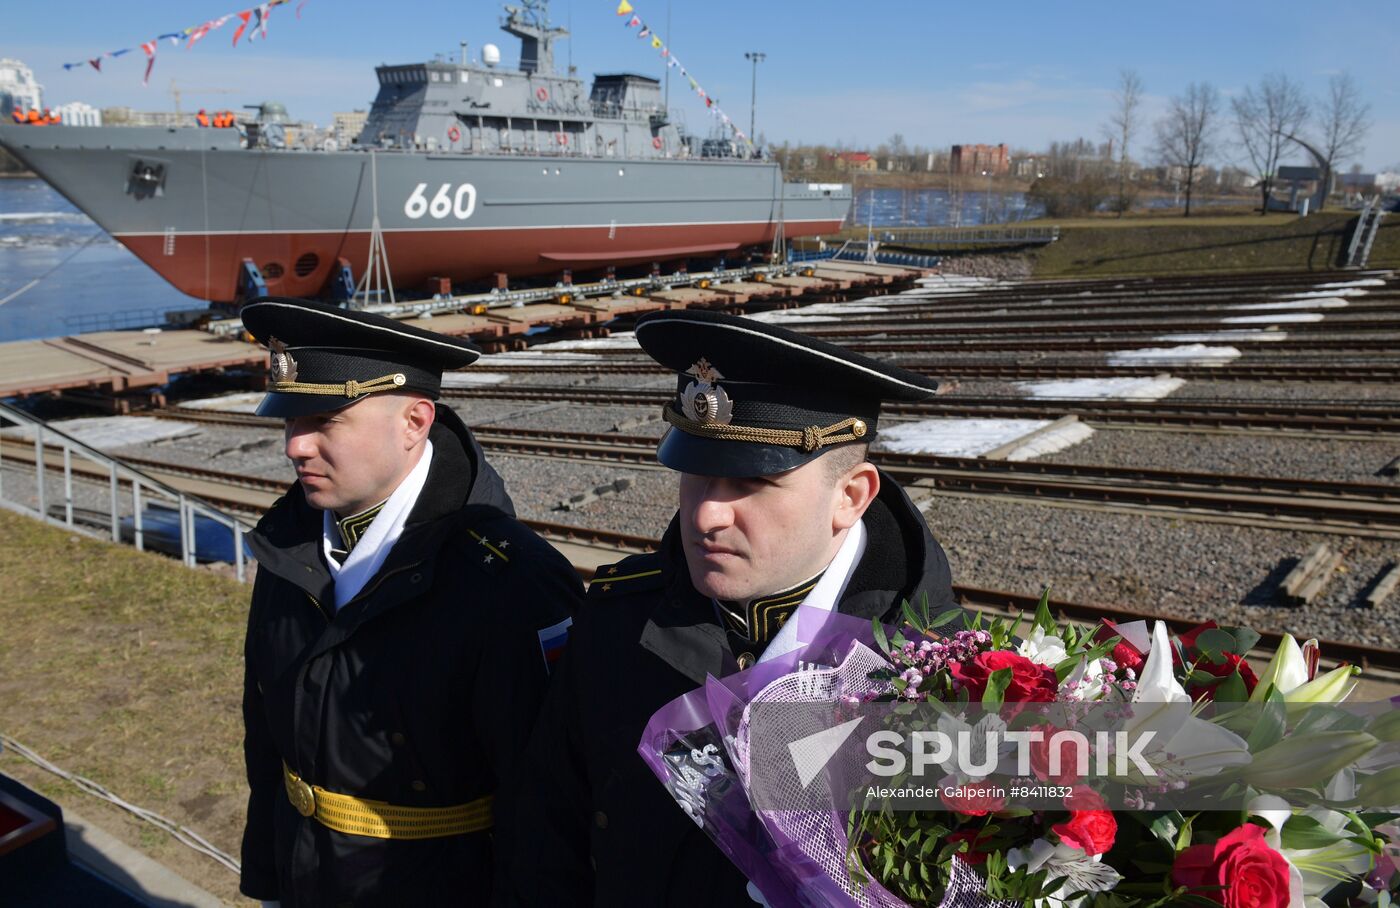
(612, 570)
(607, 587)
(504, 543)
(488, 559)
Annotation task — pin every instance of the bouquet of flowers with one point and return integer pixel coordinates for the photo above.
(1114, 765)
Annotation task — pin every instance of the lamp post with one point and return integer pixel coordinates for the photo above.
(757, 57)
(987, 199)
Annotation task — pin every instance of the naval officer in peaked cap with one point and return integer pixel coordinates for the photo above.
(401, 628)
(778, 506)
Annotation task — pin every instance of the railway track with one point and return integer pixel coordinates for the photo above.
(589, 547)
(1366, 509)
(1349, 420)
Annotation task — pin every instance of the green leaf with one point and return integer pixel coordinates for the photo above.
(1302, 832)
(881, 639)
(951, 615)
(1043, 618)
(1245, 639)
(997, 684)
(1183, 838)
(1271, 722)
(1232, 689)
(911, 617)
(1215, 641)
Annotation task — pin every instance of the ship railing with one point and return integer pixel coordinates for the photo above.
(115, 495)
(129, 319)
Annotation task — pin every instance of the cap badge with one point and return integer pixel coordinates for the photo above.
(704, 401)
(284, 368)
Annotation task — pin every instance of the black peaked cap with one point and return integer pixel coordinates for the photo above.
(802, 395)
(322, 354)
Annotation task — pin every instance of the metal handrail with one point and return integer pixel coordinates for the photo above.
(189, 506)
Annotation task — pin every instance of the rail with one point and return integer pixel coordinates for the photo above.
(143, 490)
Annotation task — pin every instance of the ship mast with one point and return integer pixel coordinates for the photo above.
(530, 23)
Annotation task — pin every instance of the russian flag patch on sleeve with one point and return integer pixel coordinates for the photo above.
(553, 639)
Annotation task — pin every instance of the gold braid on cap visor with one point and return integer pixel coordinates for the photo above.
(351, 389)
(809, 439)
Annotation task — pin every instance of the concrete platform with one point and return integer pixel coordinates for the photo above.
(541, 314)
(752, 290)
(459, 324)
(802, 285)
(117, 361)
(611, 307)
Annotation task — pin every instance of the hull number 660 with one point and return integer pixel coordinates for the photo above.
(459, 204)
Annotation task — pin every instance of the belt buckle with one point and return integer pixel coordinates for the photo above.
(301, 796)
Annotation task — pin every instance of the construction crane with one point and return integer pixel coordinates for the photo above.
(176, 92)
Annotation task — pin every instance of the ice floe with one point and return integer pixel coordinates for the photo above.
(1275, 319)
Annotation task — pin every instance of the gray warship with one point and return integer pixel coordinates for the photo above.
(470, 169)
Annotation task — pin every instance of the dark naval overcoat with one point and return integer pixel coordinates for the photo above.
(421, 691)
(602, 829)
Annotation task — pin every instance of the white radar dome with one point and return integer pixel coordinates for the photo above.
(490, 55)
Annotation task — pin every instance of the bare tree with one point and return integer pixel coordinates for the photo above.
(1343, 121)
(1267, 118)
(1122, 124)
(1186, 135)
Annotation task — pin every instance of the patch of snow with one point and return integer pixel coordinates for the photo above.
(103, 432)
(1185, 355)
(1309, 294)
(1363, 282)
(246, 402)
(1228, 334)
(1126, 388)
(1281, 317)
(954, 437)
(470, 378)
(623, 340)
(1056, 439)
(1319, 302)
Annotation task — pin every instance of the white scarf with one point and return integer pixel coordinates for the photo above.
(374, 546)
(825, 594)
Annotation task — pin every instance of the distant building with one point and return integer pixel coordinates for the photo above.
(18, 88)
(1388, 182)
(346, 126)
(854, 160)
(976, 159)
(77, 113)
(1028, 168)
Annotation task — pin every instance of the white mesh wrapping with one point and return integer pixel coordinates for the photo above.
(815, 832)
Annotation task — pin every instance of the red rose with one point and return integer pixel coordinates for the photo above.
(1029, 682)
(1091, 830)
(972, 799)
(1223, 670)
(1251, 873)
(1068, 763)
(972, 837)
(1124, 653)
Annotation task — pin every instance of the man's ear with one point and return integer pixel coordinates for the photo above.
(854, 494)
(418, 419)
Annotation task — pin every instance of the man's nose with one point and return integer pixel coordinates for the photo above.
(300, 445)
(712, 511)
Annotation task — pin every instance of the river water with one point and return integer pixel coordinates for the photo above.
(86, 280)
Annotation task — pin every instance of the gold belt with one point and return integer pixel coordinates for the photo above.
(380, 820)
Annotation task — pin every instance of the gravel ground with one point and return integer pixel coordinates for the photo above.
(1185, 568)
(1255, 455)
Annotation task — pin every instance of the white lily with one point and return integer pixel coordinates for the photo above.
(1042, 648)
(1162, 706)
(1084, 682)
(1333, 687)
(1287, 670)
(1312, 872)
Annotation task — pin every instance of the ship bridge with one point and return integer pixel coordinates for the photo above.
(486, 109)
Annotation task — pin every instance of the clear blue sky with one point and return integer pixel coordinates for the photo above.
(1025, 73)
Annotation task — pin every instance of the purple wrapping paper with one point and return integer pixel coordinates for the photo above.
(674, 747)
